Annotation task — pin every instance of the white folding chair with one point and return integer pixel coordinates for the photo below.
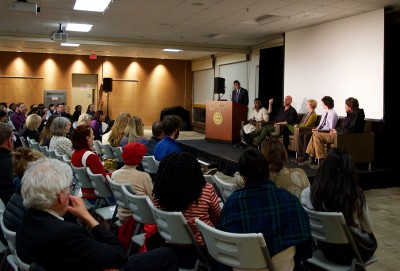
(44, 149)
(149, 164)
(117, 152)
(24, 142)
(119, 196)
(51, 153)
(107, 151)
(141, 213)
(66, 159)
(59, 156)
(104, 193)
(225, 187)
(34, 144)
(97, 148)
(330, 227)
(174, 228)
(12, 258)
(211, 180)
(83, 181)
(237, 250)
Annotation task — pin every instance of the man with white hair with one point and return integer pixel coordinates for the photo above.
(47, 240)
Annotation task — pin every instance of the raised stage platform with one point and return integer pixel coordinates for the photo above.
(224, 156)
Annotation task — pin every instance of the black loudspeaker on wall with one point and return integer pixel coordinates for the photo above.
(219, 85)
(107, 84)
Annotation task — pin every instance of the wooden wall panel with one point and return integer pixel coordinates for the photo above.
(161, 83)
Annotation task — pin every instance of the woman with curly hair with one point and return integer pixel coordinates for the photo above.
(180, 186)
(293, 180)
(336, 189)
(117, 130)
(134, 132)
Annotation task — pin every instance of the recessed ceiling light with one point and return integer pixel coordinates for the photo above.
(70, 44)
(172, 50)
(78, 27)
(91, 5)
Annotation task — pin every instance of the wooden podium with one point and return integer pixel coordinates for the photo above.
(223, 120)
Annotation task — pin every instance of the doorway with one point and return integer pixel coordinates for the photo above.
(54, 97)
(84, 90)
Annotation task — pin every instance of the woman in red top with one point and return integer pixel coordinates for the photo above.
(82, 141)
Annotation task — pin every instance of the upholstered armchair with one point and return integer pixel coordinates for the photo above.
(361, 146)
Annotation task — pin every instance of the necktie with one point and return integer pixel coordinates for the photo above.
(237, 96)
(323, 121)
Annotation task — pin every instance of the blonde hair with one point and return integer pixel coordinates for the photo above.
(313, 103)
(117, 131)
(21, 157)
(84, 119)
(33, 122)
(134, 129)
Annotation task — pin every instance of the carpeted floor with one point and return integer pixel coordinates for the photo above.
(384, 205)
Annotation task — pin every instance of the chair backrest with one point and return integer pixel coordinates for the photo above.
(99, 184)
(24, 142)
(117, 152)
(66, 159)
(331, 227)
(9, 236)
(238, 250)
(43, 149)
(156, 162)
(59, 156)
(149, 165)
(107, 151)
(82, 177)
(139, 207)
(225, 187)
(51, 153)
(119, 195)
(211, 180)
(97, 147)
(34, 144)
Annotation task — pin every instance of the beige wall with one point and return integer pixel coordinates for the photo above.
(161, 83)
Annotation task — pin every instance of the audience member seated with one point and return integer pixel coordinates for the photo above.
(260, 115)
(32, 125)
(353, 123)
(140, 181)
(180, 186)
(134, 132)
(90, 110)
(52, 243)
(85, 119)
(97, 122)
(15, 209)
(84, 156)
(45, 135)
(308, 120)
(76, 114)
(6, 169)
(167, 145)
(328, 121)
(293, 180)
(118, 129)
(157, 135)
(336, 189)
(59, 142)
(262, 207)
(18, 117)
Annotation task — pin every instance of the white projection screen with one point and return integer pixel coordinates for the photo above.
(341, 59)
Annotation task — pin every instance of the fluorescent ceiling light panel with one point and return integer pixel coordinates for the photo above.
(91, 5)
(70, 44)
(172, 50)
(78, 27)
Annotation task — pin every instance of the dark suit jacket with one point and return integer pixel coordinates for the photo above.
(55, 244)
(6, 175)
(243, 96)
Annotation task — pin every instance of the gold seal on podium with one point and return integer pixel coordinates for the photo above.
(218, 118)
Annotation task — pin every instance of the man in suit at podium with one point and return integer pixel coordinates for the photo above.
(239, 94)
